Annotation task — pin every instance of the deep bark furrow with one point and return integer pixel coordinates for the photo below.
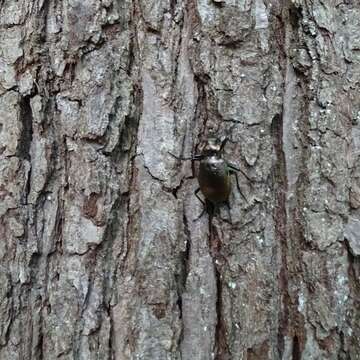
(279, 179)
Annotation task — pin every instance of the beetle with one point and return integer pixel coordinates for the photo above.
(214, 175)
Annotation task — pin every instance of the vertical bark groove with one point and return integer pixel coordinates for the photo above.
(280, 227)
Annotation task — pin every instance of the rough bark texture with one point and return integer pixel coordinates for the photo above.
(100, 256)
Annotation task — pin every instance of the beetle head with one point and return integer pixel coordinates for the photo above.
(214, 146)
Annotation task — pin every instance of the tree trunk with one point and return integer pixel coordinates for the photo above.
(100, 255)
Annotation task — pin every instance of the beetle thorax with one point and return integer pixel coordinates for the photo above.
(214, 166)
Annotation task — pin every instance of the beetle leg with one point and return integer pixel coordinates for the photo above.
(204, 205)
(202, 213)
(207, 207)
(237, 184)
(196, 194)
(195, 157)
(234, 168)
(223, 143)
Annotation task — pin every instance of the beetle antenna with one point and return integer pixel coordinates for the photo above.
(195, 157)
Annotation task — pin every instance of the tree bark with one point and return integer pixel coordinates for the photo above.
(100, 255)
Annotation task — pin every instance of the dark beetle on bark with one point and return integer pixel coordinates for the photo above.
(214, 175)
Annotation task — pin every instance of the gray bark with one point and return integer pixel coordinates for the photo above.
(100, 256)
